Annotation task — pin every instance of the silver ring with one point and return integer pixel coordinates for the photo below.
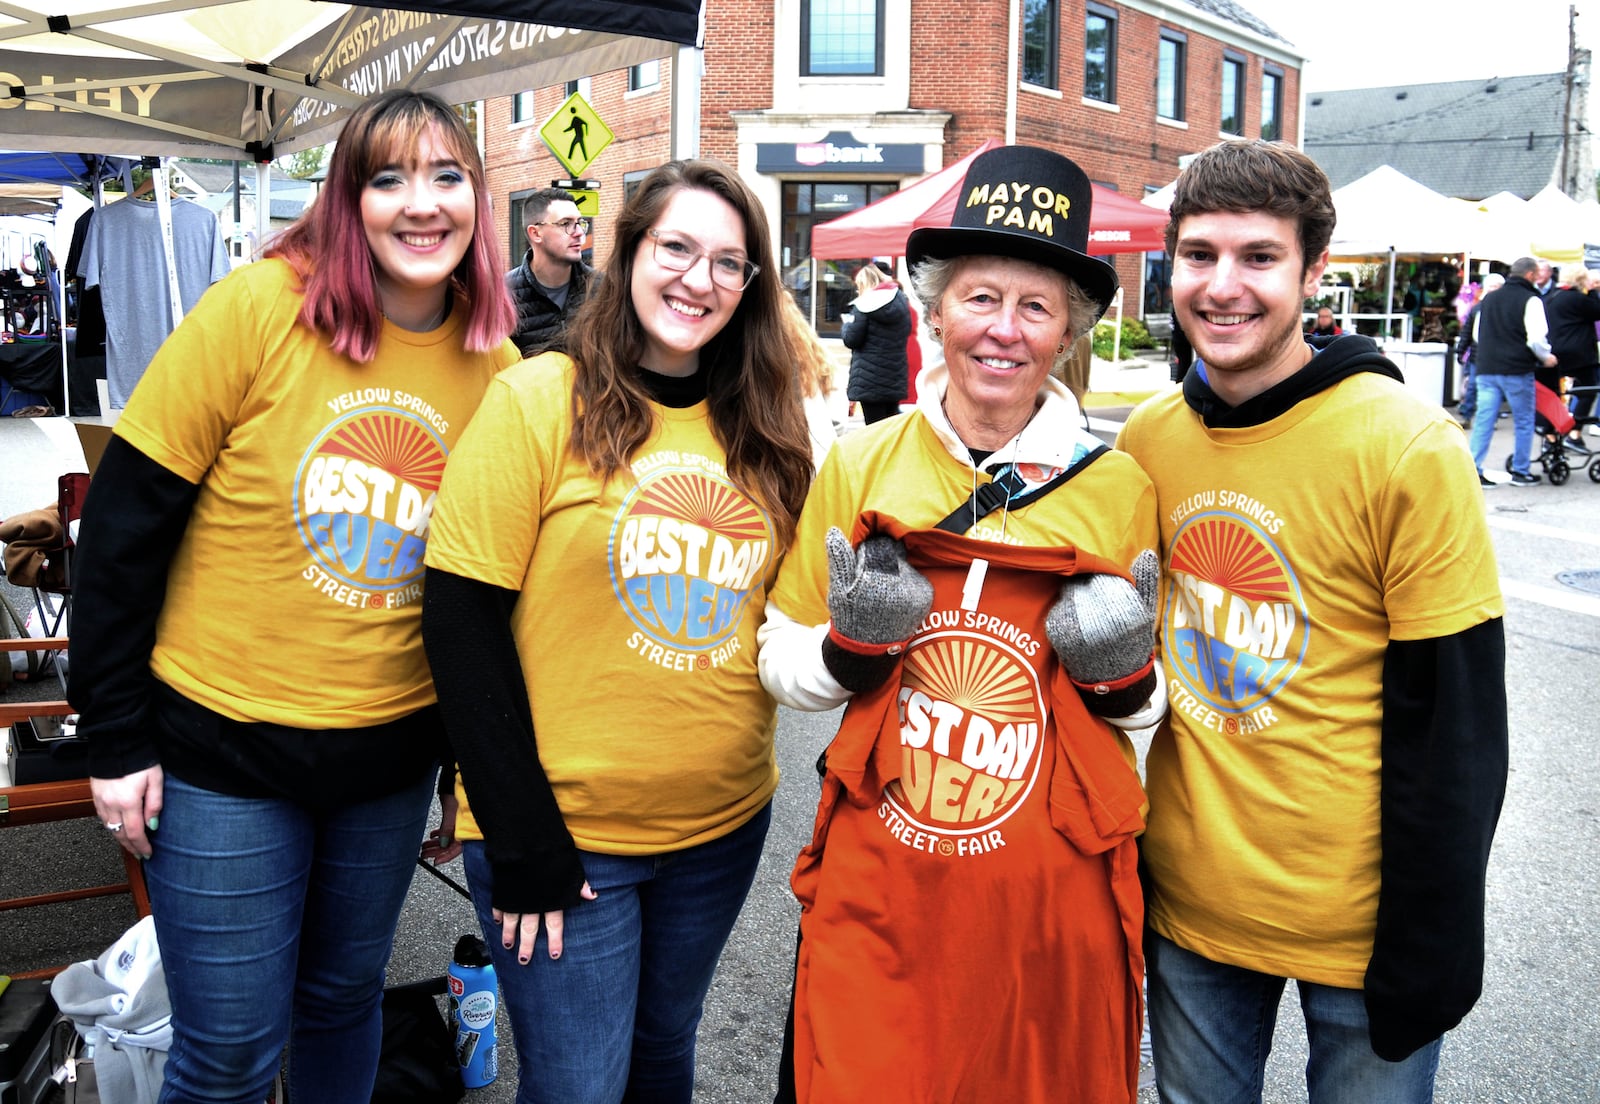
(117, 827)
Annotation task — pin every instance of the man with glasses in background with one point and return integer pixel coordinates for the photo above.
(552, 279)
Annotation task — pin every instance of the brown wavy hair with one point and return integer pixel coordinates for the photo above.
(751, 388)
(1257, 175)
(327, 246)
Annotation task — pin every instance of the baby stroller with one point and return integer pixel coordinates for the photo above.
(1553, 422)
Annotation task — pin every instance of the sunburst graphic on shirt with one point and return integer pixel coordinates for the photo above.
(1235, 624)
(364, 494)
(687, 550)
(972, 712)
(397, 444)
(696, 499)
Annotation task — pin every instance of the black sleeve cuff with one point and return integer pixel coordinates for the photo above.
(858, 672)
(542, 881)
(1120, 698)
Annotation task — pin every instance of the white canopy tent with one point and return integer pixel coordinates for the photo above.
(1386, 214)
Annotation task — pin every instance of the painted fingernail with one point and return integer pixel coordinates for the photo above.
(153, 823)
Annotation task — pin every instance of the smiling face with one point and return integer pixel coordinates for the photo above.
(681, 311)
(1004, 322)
(418, 215)
(1237, 286)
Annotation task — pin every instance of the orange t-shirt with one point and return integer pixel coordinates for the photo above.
(971, 909)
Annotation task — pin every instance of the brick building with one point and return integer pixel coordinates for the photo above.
(827, 105)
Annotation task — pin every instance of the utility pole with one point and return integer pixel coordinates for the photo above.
(1568, 185)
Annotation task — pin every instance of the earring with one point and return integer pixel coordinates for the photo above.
(937, 332)
(1061, 348)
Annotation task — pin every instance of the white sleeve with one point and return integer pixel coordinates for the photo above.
(789, 659)
(1536, 327)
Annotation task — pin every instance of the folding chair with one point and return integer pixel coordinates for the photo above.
(50, 573)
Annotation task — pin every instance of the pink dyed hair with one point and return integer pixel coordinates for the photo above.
(327, 246)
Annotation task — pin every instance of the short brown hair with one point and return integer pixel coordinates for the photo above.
(1253, 175)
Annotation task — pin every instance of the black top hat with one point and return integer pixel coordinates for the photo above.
(1023, 202)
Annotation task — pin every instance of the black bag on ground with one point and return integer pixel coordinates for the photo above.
(418, 1061)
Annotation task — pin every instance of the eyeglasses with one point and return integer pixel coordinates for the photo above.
(679, 254)
(568, 226)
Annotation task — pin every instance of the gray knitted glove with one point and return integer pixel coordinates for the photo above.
(1104, 631)
(876, 600)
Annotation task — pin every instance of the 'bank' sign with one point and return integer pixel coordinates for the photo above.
(838, 151)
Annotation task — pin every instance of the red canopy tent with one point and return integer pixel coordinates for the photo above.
(1116, 224)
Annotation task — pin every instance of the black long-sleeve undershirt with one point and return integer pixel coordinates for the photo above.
(134, 517)
(466, 630)
(1445, 748)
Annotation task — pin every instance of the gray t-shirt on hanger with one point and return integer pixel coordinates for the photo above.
(123, 256)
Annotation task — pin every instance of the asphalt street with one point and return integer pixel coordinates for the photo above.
(1534, 1037)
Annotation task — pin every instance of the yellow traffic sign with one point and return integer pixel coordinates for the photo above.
(588, 203)
(575, 134)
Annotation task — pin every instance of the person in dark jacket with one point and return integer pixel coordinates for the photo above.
(552, 279)
(1512, 343)
(876, 334)
(1467, 353)
(1572, 313)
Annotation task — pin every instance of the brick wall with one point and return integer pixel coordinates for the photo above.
(958, 65)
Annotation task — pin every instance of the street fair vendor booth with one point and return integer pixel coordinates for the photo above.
(251, 80)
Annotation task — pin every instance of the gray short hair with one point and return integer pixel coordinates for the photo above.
(931, 278)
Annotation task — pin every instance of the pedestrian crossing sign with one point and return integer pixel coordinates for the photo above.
(575, 134)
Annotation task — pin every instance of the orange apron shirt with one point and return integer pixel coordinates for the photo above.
(971, 914)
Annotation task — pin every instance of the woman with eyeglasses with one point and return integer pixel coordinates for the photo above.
(599, 561)
(550, 284)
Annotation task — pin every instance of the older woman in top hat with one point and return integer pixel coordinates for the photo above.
(977, 581)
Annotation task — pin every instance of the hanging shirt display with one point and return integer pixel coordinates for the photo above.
(122, 255)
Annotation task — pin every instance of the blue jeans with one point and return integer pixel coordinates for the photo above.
(614, 1018)
(1211, 1027)
(275, 925)
(1469, 389)
(1518, 393)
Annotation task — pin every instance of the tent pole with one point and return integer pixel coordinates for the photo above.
(263, 208)
(1389, 302)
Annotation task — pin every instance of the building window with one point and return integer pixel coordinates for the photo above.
(841, 38)
(1100, 54)
(1040, 31)
(804, 205)
(574, 85)
(647, 74)
(522, 107)
(631, 181)
(1272, 105)
(1170, 75)
(1233, 69)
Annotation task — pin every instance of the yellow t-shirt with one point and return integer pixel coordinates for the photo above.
(1293, 552)
(294, 595)
(636, 625)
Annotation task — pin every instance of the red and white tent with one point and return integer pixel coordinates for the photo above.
(1116, 224)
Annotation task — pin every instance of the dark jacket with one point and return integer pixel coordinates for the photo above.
(877, 334)
(541, 325)
(1572, 315)
(1466, 341)
(1502, 346)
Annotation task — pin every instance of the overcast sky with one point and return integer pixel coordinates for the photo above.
(1360, 45)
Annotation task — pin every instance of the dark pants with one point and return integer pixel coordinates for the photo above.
(878, 411)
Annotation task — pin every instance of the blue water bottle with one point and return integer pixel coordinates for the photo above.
(473, 997)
